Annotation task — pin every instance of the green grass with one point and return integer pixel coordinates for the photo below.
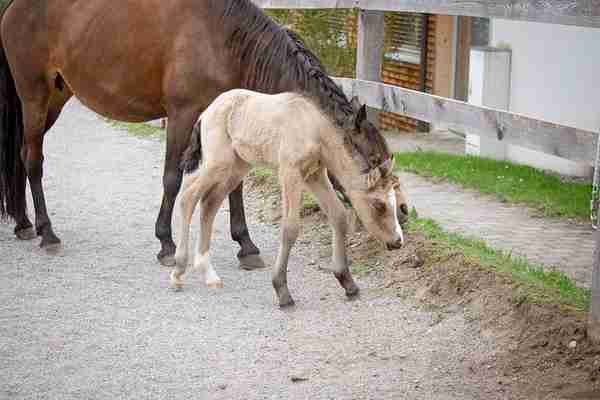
(139, 129)
(510, 182)
(359, 269)
(541, 286)
(308, 200)
(262, 172)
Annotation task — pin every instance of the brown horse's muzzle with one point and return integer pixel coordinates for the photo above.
(402, 214)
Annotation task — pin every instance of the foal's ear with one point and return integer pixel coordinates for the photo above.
(372, 177)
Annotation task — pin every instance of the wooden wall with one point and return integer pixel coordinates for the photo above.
(406, 74)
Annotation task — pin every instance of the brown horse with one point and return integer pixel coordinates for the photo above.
(138, 60)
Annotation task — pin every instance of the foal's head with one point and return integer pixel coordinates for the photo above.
(375, 201)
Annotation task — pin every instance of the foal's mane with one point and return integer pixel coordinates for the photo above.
(275, 59)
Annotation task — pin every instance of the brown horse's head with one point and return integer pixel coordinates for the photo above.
(372, 146)
(367, 139)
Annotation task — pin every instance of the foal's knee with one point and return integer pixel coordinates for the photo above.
(289, 233)
(339, 221)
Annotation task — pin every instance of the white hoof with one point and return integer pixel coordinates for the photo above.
(176, 282)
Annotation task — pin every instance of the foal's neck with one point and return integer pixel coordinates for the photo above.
(339, 159)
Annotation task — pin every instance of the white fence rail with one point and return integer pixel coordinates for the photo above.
(566, 12)
(566, 142)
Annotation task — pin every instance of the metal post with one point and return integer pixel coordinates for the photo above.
(594, 316)
(369, 50)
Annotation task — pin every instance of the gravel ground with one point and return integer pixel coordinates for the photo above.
(99, 322)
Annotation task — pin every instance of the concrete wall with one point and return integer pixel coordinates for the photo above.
(555, 76)
(555, 71)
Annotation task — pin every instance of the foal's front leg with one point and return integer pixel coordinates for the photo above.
(291, 200)
(321, 187)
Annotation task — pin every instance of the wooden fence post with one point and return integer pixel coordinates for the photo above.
(594, 316)
(371, 32)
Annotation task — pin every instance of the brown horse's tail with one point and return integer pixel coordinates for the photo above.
(193, 154)
(12, 170)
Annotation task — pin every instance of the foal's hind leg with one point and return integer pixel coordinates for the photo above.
(291, 199)
(211, 185)
(321, 187)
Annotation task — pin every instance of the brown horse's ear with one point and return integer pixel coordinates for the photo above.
(361, 116)
(355, 105)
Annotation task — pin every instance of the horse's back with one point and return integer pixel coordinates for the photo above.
(127, 60)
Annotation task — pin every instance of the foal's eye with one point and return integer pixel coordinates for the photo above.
(379, 206)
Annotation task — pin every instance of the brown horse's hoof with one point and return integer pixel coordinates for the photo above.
(53, 249)
(26, 234)
(286, 302)
(251, 262)
(167, 261)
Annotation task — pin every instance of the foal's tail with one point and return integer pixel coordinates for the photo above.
(193, 154)
(12, 169)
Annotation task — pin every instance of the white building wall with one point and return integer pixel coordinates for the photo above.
(555, 72)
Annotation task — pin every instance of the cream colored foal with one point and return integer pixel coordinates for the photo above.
(287, 132)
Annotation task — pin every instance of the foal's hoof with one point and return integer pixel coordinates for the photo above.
(167, 260)
(25, 234)
(251, 262)
(218, 284)
(177, 286)
(353, 291)
(175, 281)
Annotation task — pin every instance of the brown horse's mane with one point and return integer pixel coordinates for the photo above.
(275, 59)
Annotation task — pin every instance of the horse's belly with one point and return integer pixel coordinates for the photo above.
(116, 97)
(130, 109)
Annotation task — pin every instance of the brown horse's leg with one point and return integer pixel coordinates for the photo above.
(179, 130)
(35, 112)
(249, 254)
(24, 228)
